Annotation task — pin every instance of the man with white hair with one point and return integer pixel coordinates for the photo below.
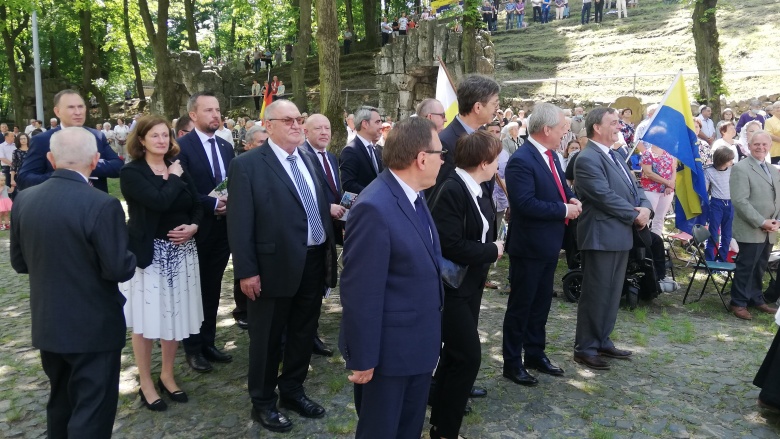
(29, 128)
(72, 241)
(434, 111)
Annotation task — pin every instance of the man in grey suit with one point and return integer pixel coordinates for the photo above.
(755, 192)
(612, 205)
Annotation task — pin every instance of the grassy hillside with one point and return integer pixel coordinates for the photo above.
(655, 38)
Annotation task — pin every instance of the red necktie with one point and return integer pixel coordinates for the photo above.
(331, 182)
(556, 178)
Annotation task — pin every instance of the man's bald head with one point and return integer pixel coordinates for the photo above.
(317, 130)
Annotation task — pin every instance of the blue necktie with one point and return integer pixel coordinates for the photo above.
(312, 213)
(625, 176)
(215, 161)
(419, 206)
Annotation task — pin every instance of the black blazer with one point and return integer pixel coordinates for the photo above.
(334, 164)
(449, 138)
(267, 224)
(460, 231)
(148, 196)
(357, 170)
(196, 163)
(72, 240)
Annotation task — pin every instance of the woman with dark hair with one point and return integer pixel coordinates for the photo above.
(163, 297)
(465, 219)
(22, 146)
(626, 127)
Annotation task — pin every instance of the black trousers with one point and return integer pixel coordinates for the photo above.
(391, 407)
(537, 13)
(213, 255)
(599, 14)
(385, 38)
(257, 102)
(239, 312)
(768, 378)
(747, 286)
(295, 318)
(84, 393)
(461, 355)
(527, 309)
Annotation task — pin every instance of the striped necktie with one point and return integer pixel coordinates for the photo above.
(309, 204)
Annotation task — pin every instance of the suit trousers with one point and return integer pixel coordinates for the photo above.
(767, 377)
(603, 274)
(527, 309)
(239, 312)
(599, 12)
(391, 407)
(295, 318)
(84, 393)
(747, 286)
(213, 255)
(461, 356)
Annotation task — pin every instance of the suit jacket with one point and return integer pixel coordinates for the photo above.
(460, 232)
(196, 163)
(608, 214)
(334, 164)
(755, 199)
(357, 170)
(36, 168)
(391, 287)
(538, 211)
(72, 240)
(267, 223)
(148, 197)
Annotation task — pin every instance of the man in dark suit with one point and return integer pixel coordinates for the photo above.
(541, 203)
(359, 162)
(318, 135)
(70, 108)
(613, 204)
(477, 104)
(72, 240)
(206, 158)
(284, 254)
(391, 289)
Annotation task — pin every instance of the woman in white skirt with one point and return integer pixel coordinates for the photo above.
(163, 298)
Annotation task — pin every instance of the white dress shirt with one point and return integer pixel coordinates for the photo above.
(204, 140)
(371, 154)
(476, 191)
(543, 151)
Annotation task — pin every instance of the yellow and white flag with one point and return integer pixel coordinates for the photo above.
(446, 95)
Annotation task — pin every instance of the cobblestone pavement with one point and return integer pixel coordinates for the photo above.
(690, 377)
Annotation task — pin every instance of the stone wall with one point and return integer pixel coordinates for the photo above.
(407, 67)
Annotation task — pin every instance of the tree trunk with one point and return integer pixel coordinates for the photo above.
(330, 82)
(54, 70)
(371, 22)
(88, 51)
(350, 20)
(10, 34)
(300, 55)
(139, 83)
(217, 48)
(471, 24)
(232, 39)
(164, 82)
(705, 38)
(189, 24)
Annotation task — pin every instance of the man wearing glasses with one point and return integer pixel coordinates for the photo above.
(284, 256)
(433, 110)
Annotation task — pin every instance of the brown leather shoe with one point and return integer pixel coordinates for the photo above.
(741, 312)
(766, 308)
(591, 361)
(614, 352)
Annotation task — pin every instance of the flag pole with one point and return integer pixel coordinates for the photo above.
(447, 72)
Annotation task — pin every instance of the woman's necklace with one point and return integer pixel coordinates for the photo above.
(158, 171)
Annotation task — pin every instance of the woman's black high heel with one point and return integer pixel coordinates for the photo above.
(177, 396)
(157, 406)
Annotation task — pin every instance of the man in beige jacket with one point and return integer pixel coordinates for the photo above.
(755, 192)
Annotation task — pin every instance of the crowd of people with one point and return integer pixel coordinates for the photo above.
(434, 202)
(513, 11)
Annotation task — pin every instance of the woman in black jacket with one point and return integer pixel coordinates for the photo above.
(163, 298)
(464, 214)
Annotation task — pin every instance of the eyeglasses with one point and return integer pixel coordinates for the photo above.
(289, 120)
(436, 151)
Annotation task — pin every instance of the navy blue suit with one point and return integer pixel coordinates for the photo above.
(392, 299)
(36, 167)
(211, 239)
(534, 241)
(357, 170)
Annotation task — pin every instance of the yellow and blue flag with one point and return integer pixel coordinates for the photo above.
(445, 93)
(671, 129)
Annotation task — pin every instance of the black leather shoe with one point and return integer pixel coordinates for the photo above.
(614, 352)
(213, 354)
(520, 376)
(543, 365)
(303, 406)
(177, 396)
(272, 419)
(199, 363)
(478, 392)
(592, 361)
(243, 324)
(320, 348)
(156, 406)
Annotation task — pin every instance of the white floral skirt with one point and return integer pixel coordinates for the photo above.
(163, 299)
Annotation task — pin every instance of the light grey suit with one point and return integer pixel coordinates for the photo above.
(756, 198)
(604, 236)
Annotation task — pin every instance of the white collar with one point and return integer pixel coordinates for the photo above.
(604, 149)
(363, 139)
(203, 136)
(280, 153)
(408, 191)
(539, 147)
(474, 187)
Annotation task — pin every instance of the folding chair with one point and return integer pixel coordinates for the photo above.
(686, 242)
(700, 237)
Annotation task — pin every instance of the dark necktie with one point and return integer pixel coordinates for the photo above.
(373, 157)
(557, 179)
(419, 206)
(309, 204)
(215, 161)
(625, 176)
(329, 174)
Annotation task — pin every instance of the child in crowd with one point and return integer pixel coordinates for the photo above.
(721, 212)
(5, 204)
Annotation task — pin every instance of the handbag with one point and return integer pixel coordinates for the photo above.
(452, 273)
